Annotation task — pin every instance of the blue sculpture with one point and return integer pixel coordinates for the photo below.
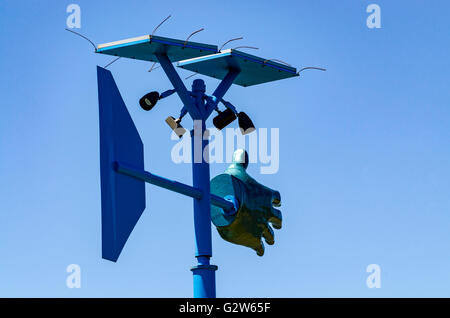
(239, 206)
(255, 206)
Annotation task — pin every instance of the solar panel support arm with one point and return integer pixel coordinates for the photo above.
(221, 89)
(178, 84)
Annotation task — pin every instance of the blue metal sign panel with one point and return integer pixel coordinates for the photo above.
(123, 197)
(253, 69)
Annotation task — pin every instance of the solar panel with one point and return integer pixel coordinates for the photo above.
(123, 197)
(145, 47)
(253, 69)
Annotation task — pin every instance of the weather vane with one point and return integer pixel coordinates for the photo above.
(241, 208)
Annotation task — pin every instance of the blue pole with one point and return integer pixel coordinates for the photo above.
(204, 272)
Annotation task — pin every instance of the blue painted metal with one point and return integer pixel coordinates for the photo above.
(145, 48)
(227, 204)
(201, 179)
(204, 272)
(123, 198)
(158, 181)
(223, 87)
(253, 69)
(204, 280)
(178, 84)
(122, 163)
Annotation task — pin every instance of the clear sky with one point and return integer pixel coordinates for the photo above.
(364, 149)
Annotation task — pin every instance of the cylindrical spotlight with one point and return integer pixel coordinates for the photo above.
(245, 123)
(148, 101)
(224, 119)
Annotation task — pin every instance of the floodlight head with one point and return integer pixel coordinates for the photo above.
(175, 125)
(224, 118)
(245, 123)
(148, 101)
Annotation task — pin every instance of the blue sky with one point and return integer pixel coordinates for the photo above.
(364, 150)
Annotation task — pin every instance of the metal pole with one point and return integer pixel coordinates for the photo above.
(172, 185)
(204, 272)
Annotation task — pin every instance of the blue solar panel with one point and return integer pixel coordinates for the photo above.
(123, 197)
(145, 47)
(253, 69)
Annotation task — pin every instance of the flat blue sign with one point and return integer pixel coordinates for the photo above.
(123, 197)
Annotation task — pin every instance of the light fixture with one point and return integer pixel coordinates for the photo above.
(227, 116)
(148, 101)
(245, 123)
(224, 118)
(175, 125)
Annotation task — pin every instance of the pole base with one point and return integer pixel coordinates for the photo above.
(204, 281)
